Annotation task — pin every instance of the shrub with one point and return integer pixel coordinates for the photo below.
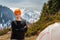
(4, 31)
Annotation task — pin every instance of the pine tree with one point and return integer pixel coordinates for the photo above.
(45, 9)
(54, 6)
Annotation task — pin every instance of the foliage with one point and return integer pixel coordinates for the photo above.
(4, 31)
(50, 13)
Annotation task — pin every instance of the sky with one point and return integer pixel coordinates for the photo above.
(35, 4)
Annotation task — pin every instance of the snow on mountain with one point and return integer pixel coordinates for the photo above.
(6, 16)
(30, 15)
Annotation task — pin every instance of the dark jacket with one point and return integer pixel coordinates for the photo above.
(19, 29)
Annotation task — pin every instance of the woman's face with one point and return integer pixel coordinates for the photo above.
(17, 13)
(17, 16)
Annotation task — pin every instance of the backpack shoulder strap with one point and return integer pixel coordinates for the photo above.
(22, 22)
(15, 22)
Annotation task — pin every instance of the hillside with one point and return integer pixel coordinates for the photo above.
(50, 13)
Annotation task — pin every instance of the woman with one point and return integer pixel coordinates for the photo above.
(19, 27)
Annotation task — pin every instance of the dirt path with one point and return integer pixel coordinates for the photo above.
(8, 35)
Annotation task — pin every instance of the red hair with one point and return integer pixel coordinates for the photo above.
(17, 11)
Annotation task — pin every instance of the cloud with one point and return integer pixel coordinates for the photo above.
(37, 4)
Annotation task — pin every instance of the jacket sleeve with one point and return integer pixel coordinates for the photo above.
(25, 27)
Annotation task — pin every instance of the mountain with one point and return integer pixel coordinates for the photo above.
(6, 16)
(30, 15)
